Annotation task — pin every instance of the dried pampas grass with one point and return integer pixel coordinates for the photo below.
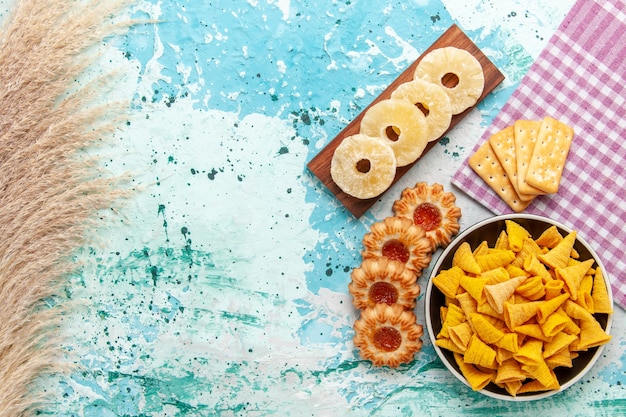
(49, 189)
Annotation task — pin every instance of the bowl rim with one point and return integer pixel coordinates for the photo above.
(430, 288)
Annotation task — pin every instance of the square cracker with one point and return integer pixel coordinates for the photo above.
(549, 155)
(503, 145)
(486, 164)
(526, 132)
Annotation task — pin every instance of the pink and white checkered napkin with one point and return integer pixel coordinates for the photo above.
(580, 79)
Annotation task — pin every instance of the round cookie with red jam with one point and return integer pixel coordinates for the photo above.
(432, 209)
(383, 281)
(398, 239)
(388, 335)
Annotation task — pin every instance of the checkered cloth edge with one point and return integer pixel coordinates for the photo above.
(580, 79)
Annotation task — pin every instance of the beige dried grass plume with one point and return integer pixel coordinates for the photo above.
(49, 190)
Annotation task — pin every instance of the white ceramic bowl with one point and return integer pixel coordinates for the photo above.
(489, 230)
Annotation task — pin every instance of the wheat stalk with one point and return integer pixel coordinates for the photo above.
(49, 189)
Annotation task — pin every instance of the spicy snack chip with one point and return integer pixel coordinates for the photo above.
(518, 310)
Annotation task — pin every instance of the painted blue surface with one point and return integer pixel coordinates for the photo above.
(222, 290)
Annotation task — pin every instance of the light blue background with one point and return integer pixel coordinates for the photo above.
(220, 289)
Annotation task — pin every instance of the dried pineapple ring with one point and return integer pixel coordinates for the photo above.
(363, 167)
(388, 335)
(434, 100)
(450, 60)
(384, 119)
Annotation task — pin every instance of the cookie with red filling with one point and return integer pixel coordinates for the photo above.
(383, 281)
(431, 208)
(388, 335)
(398, 239)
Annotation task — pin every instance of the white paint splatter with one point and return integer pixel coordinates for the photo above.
(530, 23)
(283, 5)
(408, 54)
(282, 67)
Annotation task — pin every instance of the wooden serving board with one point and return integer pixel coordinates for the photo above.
(320, 164)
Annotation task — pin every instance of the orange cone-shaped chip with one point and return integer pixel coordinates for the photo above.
(559, 256)
(550, 306)
(464, 259)
(600, 294)
(497, 294)
(460, 335)
(516, 233)
(481, 354)
(549, 238)
(556, 322)
(494, 259)
(486, 330)
(573, 276)
(591, 335)
(496, 275)
(516, 314)
(509, 371)
(447, 281)
(474, 286)
(530, 353)
(559, 341)
(532, 288)
(508, 342)
(476, 378)
(554, 288)
(534, 267)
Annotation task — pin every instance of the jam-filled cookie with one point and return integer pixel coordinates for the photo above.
(383, 281)
(434, 210)
(399, 239)
(388, 335)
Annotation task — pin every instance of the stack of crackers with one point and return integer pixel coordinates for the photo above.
(524, 160)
